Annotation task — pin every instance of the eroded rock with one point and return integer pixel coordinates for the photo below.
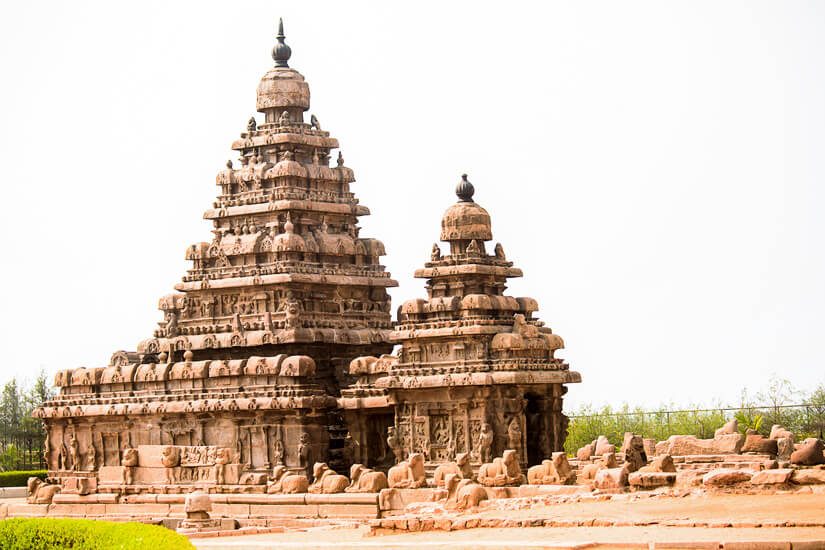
(809, 453)
(726, 476)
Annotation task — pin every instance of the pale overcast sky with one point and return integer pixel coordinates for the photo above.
(655, 168)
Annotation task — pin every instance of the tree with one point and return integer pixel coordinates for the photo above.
(10, 412)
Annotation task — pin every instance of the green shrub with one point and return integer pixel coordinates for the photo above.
(19, 479)
(86, 534)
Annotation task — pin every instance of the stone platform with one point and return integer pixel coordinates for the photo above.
(246, 509)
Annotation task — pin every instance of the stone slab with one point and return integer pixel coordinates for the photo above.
(772, 477)
(284, 510)
(348, 510)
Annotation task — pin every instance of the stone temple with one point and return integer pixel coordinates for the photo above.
(274, 355)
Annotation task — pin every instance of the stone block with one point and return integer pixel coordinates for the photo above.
(759, 444)
(603, 446)
(724, 477)
(284, 510)
(784, 448)
(66, 510)
(348, 510)
(772, 477)
(137, 509)
(808, 477)
(610, 478)
(398, 499)
(340, 498)
(28, 510)
(685, 545)
(756, 545)
(681, 445)
(809, 453)
(650, 480)
(230, 510)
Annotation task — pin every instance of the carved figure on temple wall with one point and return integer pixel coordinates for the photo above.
(461, 468)
(222, 458)
(514, 435)
(503, 471)
(252, 125)
(326, 480)
(292, 308)
(350, 448)
(92, 455)
(435, 255)
(278, 452)
(408, 474)
(473, 248)
(303, 452)
(62, 453)
(74, 452)
(340, 159)
(500, 252)
(171, 324)
(394, 443)
(128, 462)
(47, 450)
(237, 325)
(366, 480)
(170, 459)
(484, 445)
(313, 121)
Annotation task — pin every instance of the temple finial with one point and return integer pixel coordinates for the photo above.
(281, 52)
(464, 189)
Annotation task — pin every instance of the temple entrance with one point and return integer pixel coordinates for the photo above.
(535, 429)
(379, 455)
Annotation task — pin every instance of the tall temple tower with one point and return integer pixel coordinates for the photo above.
(476, 372)
(254, 347)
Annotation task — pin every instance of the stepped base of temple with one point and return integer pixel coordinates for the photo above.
(262, 509)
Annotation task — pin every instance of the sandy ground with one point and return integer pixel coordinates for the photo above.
(709, 509)
(522, 539)
(715, 509)
(706, 508)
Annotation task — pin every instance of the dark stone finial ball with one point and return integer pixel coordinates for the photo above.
(465, 189)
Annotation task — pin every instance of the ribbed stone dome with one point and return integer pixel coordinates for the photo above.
(466, 221)
(282, 88)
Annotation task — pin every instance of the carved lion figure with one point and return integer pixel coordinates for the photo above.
(40, 492)
(327, 481)
(552, 472)
(460, 468)
(607, 461)
(170, 458)
(463, 493)
(128, 461)
(366, 480)
(286, 483)
(503, 471)
(409, 473)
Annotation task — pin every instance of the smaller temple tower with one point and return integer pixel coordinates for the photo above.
(476, 371)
